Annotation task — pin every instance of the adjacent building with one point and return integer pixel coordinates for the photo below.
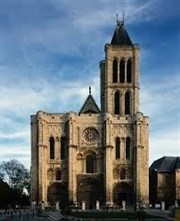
(97, 153)
(164, 178)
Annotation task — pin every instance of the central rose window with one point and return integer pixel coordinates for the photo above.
(90, 134)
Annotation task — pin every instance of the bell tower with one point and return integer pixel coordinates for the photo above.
(120, 75)
(126, 136)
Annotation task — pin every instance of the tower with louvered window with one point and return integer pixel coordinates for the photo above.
(126, 138)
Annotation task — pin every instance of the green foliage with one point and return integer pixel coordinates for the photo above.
(5, 194)
(18, 175)
(14, 179)
(1, 174)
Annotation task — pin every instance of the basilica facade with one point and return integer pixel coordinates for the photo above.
(98, 153)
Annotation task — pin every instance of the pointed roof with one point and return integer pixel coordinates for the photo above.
(165, 164)
(90, 105)
(120, 36)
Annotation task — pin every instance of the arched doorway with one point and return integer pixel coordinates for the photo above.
(88, 190)
(57, 192)
(123, 192)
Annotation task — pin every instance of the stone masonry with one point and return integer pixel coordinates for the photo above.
(96, 154)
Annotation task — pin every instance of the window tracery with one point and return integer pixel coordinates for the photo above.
(90, 134)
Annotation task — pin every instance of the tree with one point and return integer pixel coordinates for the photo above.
(17, 175)
(1, 174)
(5, 194)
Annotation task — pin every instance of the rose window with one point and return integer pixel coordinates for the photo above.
(90, 134)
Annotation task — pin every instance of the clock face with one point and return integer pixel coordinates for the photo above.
(90, 134)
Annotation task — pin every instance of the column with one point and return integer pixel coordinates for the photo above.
(125, 71)
(57, 205)
(122, 148)
(83, 205)
(97, 204)
(109, 174)
(57, 148)
(124, 205)
(135, 73)
(162, 205)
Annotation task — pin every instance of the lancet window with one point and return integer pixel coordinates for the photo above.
(122, 71)
(63, 148)
(123, 174)
(58, 175)
(128, 143)
(51, 147)
(129, 69)
(127, 103)
(90, 164)
(117, 103)
(115, 70)
(117, 147)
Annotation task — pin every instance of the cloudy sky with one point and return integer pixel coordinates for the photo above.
(50, 53)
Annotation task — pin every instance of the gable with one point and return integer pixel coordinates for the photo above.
(90, 106)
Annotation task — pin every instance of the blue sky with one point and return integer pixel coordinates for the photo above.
(50, 53)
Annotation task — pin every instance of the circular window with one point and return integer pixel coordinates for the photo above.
(90, 134)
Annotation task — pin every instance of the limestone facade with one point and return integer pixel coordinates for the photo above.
(96, 154)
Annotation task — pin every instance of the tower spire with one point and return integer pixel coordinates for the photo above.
(89, 90)
(123, 18)
(117, 19)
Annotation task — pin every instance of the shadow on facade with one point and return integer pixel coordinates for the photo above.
(89, 189)
(123, 192)
(57, 192)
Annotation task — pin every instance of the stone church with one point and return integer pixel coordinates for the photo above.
(98, 153)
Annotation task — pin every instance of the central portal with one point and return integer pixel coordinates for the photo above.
(88, 190)
(123, 192)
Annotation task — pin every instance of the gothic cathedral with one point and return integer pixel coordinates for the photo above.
(98, 154)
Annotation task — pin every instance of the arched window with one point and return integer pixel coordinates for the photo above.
(127, 103)
(51, 145)
(129, 71)
(58, 175)
(128, 142)
(116, 103)
(123, 174)
(89, 164)
(63, 148)
(114, 71)
(117, 147)
(122, 71)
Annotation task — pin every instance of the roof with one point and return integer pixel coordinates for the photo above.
(166, 164)
(89, 106)
(178, 163)
(120, 36)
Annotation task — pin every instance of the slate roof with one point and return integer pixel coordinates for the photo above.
(178, 163)
(120, 36)
(90, 106)
(166, 164)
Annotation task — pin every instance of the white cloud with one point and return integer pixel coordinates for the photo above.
(77, 29)
(20, 132)
(160, 97)
(161, 102)
(165, 143)
(16, 151)
(31, 83)
(15, 135)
